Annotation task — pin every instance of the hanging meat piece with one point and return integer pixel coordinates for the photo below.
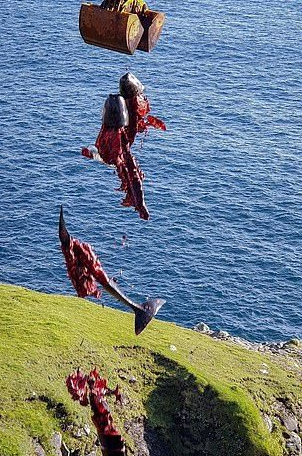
(138, 107)
(114, 149)
(124, 116)
(83, 267)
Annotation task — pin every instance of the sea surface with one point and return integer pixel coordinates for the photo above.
(223, 184)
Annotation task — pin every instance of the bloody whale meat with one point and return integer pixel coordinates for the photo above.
(93, 390)
(139, 121)
(84, 268)
(113, 148)
(138, 107)
(124, 116)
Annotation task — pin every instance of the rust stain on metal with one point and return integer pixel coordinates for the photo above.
(153, 22)
(110, 29)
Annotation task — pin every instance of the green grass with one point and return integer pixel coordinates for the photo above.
(205, 398)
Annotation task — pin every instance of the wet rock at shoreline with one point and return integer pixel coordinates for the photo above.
(202, 327)
(294, 342)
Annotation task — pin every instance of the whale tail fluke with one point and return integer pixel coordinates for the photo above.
(144, 316)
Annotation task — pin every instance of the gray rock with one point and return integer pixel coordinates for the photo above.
(122, 376)
(294, 445)
(290, 422)
(224, 335)
(294, 342)
(202, 327)
(33, 396)
(264, 369)
(287, 418)
(77, 433)
(56, 443)
(86, 429)
(268, 422)
(38, 449)
(242, 342)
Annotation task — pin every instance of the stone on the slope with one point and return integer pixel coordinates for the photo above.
(294, 342)
(56, 443)
(290, 421)
(268, 422)
(77, 433)
(38, 449)
(86, 429)
(294, 444)
(64, 449)
(223, 335)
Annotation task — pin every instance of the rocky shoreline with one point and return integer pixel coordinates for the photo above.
(291, 346)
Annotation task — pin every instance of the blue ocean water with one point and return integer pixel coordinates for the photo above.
(223, 184)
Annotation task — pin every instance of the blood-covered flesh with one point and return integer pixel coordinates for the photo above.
(92, 390)
(125, 115)
(139, 120)
(84, 268)
(114, 149)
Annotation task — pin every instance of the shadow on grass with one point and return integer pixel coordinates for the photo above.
(186, 420)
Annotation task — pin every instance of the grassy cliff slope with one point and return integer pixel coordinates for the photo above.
(207, 397)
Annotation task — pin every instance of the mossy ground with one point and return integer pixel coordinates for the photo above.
(205, 398)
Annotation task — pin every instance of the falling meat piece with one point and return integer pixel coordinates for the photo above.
(85, 270)
(83, 267)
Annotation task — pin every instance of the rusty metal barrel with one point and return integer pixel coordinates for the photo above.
(117, 31)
